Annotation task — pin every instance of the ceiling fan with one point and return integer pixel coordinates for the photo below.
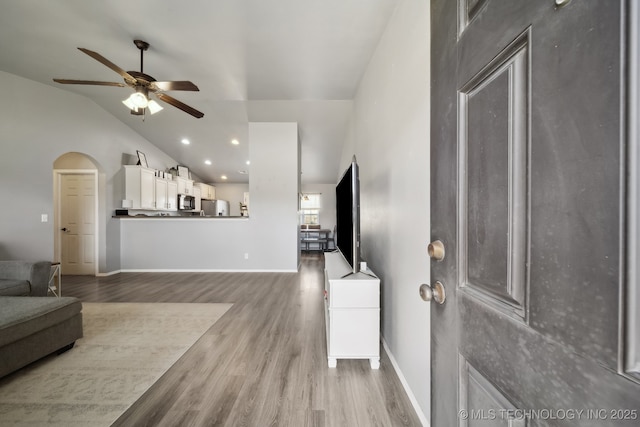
(142, 83)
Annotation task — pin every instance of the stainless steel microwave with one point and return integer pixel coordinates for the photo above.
(186, 203)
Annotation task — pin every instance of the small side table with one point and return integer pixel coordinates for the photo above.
(55, 279)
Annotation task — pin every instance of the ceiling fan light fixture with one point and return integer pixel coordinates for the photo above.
(129, 104)
(154, 107)
(139, 100)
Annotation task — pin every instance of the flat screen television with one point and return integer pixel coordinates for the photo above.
(348, 216)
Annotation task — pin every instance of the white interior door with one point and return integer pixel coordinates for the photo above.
(77, 223)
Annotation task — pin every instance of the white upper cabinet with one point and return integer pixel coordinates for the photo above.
(207, 192)
(185, 186)
(140, 187)
(166, 195)
(172, 196)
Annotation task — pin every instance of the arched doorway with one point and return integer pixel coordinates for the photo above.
(75, 177)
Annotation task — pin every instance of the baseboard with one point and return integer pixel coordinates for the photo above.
(405, 385)
(110, 273)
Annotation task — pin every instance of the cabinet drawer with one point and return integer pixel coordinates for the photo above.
(351, 293)
(354, 333)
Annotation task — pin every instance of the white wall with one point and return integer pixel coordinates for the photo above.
(266, 241)
(38, 124)
(390, 136)
(273, 187)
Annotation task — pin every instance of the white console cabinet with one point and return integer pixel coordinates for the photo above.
(352, 312)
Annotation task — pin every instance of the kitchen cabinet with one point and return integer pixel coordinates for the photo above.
(185, 186)
(207, 192)
(161, 194)
(140, 187)
(145, 191)
(166, 195)
(198, 200)
(352, 312)
(172, 196)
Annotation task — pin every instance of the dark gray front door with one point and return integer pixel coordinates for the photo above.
(528, 197)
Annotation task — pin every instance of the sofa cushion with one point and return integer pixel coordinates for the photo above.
(14, 287)
(23, 316)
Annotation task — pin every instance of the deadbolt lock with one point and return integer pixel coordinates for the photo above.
(436, 250)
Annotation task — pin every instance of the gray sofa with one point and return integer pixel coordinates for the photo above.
(23, 278)
(33, 325)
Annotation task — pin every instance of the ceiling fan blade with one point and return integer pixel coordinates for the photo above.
(87, 82)
(109, 64)
(175, 85)
(184, 107)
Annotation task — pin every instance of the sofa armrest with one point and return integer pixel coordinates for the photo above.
(39, 278)
(36, 272)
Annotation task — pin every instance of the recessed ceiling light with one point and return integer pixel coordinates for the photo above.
(243, 172)
(235, 142)
(223, 177)
(248, 162)
(207, 162)
(185, 141)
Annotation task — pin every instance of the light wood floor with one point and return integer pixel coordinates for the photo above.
(263, 363)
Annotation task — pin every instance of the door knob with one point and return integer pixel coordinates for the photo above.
(436, 250)
(435, 293)
(64, 229)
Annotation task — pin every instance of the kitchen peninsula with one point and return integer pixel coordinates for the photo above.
(267, 240)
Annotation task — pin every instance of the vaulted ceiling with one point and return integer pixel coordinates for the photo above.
(253, 60)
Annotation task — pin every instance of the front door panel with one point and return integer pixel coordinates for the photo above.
(527, 196)
(492, 164)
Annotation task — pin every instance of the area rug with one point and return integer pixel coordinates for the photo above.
(125, 349)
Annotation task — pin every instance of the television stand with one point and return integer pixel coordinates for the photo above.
(351, 312)
(367, 272)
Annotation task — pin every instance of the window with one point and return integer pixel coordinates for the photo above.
(310, 208)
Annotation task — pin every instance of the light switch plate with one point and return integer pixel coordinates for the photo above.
(44, 218)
